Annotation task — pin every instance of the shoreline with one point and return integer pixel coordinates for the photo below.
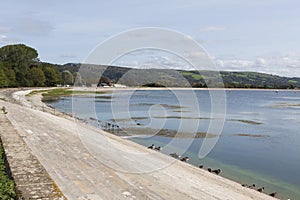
(165, 175)
(172, 88)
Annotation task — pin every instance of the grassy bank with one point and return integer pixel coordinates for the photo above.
(53, 94)
(7, 185)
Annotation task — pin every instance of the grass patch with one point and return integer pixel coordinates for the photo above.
(36, 92)
(196, 76)
(63, 92)
(54, 94)
(57, 92)
(57, 190)
(7, 185)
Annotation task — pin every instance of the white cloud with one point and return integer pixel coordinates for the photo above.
(3, 39)
(285, 65)
(260, 62)
(154, 61)
(280, 65)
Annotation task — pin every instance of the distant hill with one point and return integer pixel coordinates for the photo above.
(180, 78)
(243, 79)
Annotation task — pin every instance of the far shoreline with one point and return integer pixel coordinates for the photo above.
(93, 89)
(171, 88)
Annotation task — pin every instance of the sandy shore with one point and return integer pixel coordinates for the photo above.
(88, 163)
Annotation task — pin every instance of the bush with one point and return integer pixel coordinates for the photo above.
(4, 110)
(7, 185)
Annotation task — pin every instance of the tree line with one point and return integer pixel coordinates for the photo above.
(21, 67)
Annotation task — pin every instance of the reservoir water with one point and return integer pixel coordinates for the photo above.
(259, 142)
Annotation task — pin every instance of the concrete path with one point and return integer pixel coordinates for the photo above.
(87, 163)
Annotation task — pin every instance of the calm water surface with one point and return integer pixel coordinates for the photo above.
(259, 143)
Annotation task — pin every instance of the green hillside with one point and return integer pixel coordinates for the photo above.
(179, 78)
(241, 79)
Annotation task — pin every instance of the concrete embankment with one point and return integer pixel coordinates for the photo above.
(31, 178)
(88, 163)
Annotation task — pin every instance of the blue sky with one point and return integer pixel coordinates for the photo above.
(259, 35)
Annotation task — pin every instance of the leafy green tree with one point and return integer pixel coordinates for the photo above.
(52, 75)
(19, 58)
(21, 79)
(18, 53)
(3, 78)
(36, 77)
(11, 76)
(67, 77)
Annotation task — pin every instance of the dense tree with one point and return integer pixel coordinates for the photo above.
(67, 78)
(19, 58)
(11, 76)
(52, 75)
(36, 77)
(21, 79)
(3, 77)
(23, 68)
(18, 54)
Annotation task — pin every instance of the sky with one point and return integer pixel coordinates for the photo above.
(258, 35)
